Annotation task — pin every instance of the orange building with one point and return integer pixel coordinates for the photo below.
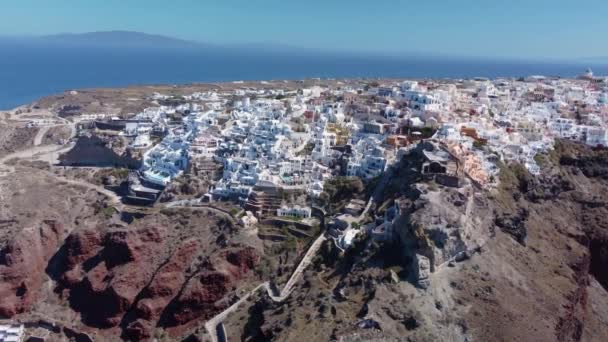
(469, 132)
(397, 140)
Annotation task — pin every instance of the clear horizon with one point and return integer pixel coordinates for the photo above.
(536, 29)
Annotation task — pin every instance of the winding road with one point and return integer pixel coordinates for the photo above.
(216, 328)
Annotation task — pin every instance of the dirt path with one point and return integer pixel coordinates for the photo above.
(115, 200)
(43, 130)
(50, 154)
(40, 135)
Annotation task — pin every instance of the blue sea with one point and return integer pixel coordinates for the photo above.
(30, 72)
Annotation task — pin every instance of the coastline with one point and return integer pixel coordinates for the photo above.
(186, 88)
(28, 77)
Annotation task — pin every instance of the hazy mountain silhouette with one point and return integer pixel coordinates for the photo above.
(117, 38)
(106, 39)
(133, 40)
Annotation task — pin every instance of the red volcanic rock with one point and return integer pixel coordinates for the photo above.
(98, 278)
(79, 246)
(22, 265)
(213, 287)
(167, 282)
(72, 277)
(120, 247)
(82, 245)
(119, 265)
(123, 246)
(201, 294)
(199, 297)
(245, 259)
(139, 330)
(99, 296)
(109, 273)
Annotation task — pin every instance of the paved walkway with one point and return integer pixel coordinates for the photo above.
(297, 274)
(212, 325)
(216, 328)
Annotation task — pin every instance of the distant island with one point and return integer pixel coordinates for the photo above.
(128, 38)
(117, 38)
(134, 39)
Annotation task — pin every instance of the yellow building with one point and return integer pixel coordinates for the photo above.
(342, 133)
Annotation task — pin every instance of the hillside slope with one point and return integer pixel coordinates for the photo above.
(538, 276)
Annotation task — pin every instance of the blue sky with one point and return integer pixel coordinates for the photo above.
(494, 28)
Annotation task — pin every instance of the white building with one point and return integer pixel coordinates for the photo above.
(167, 160)
(563, 128)
(368, 159)
(142, 141)
(248, 220)
(295, 211)
(12, 333)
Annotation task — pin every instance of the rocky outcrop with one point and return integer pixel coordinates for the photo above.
(105, 274)
(22, 264)
(140, 278)
(570, 326)
(79, 247)
(198, 298)
(241, 261)
(422, 270)
(165, 285)
(514, 225)
(440, 225)
(200, 295)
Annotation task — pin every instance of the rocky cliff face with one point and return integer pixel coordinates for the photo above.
(22, 264)
(201, 295)
(113, 268)
(67, 262)
(165, 285)
(138, 279)
(538, 268)
(438, 224)
(525, 262)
